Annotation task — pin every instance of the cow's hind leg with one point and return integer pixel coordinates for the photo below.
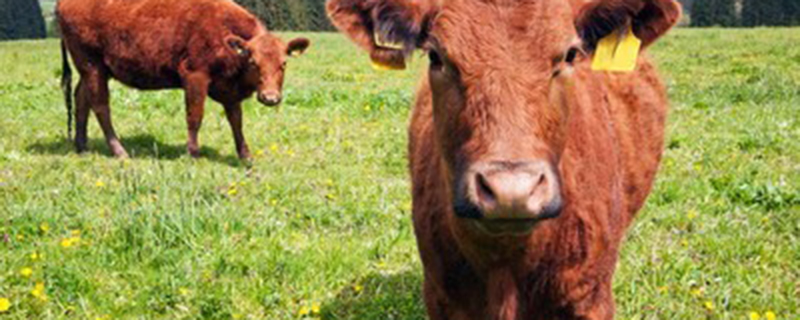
(234, 114)
(81, 116)
(95, 84)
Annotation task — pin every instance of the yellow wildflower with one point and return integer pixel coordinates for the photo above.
(304, 311)
(273, 147)
(692, 214)
(273, 202)
(184, 292)
(754, 315)
(663, 289)
(237, 315)
(35, 256)
(75, 233)
(26, 272)
(259, 153)
(69, 242)
(44, 227)
(696, 292)
(38, 291)
(20, 237)
(770, 315)
(315, 308)
(684, 243)
(709, 305)
(358, 288)
(232, 191)
(5, 304)
(99, 184)
(290, 153)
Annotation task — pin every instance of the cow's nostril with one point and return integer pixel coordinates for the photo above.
(484, 190)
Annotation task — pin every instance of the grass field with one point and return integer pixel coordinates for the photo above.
(320, 226)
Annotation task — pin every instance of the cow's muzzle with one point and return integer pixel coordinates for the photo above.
(505, 197)
(270, 99)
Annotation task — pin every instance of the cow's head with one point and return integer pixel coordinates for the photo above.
(503, 78)
(266, 63)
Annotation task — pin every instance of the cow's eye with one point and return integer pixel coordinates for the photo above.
(572, 54)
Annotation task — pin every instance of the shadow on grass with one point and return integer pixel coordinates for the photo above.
(392, 296)
(138, 146)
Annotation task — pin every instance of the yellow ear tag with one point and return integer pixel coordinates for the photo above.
(380, 43)
(617, 52)
(384, 67)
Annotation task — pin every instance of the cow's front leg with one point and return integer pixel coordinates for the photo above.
(592, 302)
(196, 90)
(234, 113)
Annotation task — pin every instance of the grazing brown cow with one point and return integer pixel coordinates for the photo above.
(527, 165)
(206, 47)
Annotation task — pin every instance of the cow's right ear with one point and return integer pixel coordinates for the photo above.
(390, 30)
(238, 45)
(648, 19)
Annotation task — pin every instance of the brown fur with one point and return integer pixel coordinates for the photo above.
(205, 47)
(504, 91)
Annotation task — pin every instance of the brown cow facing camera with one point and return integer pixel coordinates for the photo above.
(211, 48)
(527, 165)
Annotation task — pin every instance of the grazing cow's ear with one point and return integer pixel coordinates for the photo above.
(389, 29)
(297, 46)
(649, 19)
(238, 45)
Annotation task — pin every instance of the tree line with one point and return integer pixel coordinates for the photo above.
(23, 19)
(745, 13)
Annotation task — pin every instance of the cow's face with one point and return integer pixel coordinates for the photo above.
(502, 76)
(266, 64)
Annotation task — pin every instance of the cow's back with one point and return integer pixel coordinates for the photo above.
(145, 42)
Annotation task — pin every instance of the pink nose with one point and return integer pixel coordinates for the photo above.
(515, 190)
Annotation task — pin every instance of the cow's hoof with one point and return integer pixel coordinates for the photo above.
(121, 155)
(194, 153)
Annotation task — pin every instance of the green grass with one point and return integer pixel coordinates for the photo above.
(322, 217)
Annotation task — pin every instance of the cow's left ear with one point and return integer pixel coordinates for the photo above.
(390, 30)
(297, 46)
(649, 19)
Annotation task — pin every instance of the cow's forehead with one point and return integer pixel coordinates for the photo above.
(269, 44)
(504, 33)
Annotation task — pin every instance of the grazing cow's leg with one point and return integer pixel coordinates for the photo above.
(196, 90)
(234, 114)
(94, 84)
(81, 115)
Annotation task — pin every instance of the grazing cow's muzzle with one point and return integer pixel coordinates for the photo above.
(509, 197)
(270, 99)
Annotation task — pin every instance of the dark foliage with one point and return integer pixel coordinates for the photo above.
(709, 13)
(297, 15)
(21, 19)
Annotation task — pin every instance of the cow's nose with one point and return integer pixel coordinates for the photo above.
(269, 98)
(506, 191)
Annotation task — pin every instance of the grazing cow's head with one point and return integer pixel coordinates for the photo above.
(266, 63)
(502, 75)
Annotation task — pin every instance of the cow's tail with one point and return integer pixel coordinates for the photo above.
(66, 86)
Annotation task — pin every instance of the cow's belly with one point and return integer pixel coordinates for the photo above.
(143, 74)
